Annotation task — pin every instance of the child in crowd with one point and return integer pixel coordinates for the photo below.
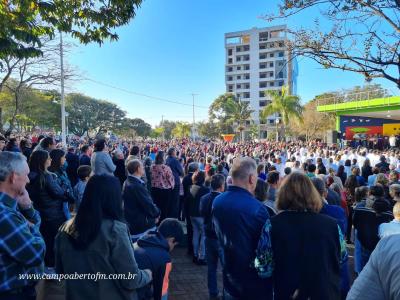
(79, 188)
(152, 251)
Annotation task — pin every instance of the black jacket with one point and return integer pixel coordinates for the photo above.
(73, 164)
(84, 160)
(306, 251)
(139, 209)
(152, 252)
(333, 198)
(47, 197)
(206, 203)
(196, 192)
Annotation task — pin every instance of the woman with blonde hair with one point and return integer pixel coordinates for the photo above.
(300, 247)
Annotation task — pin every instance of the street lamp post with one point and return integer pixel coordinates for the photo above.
(277, 133)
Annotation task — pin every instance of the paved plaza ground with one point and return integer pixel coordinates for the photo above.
(187, 280)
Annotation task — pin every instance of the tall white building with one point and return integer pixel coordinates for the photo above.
(257, 60)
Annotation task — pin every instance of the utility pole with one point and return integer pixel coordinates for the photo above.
(63, 125)
(162, 126)
(193, 125)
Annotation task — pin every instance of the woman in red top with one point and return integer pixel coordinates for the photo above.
(162, 184)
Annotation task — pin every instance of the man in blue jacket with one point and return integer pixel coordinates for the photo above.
(238, 219)
(177, 171)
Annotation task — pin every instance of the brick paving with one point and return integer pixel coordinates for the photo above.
(187, 280)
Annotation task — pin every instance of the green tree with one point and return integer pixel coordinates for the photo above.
(238, 113)
(168, 127)
(23, 24)
(87, 114)
(181, 130)
(208, 129)
(157, 132)
(218, 113)
(140, 127)
(282, 103)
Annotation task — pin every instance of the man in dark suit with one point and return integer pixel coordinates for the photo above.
(84, 159)
(140, 211)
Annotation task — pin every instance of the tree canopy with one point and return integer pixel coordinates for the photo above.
(357, 36)
(23, 24)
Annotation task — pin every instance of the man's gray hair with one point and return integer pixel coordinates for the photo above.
(319, 185)
(11, 162)
(243, 167)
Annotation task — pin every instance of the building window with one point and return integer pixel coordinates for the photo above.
(238, 58)
(230, 51)
(247, 67)
(271, 83)
(281, 44)
(238, 68)
(246, 48)
(238, 86)
(263, 36)
(238, 96)
(263, 66)
(271, 64)
(271, 55)
(246, 95)
(263, 56)
(230, 88)
(230, 78)
(271, 121)
(246, 58)
(247, 86)
(280, 74)
(263, 84)
(261, 94)
(263, 103)
(281, 54)
(271, 45)
(238, 49)
(263, 46)
(280, 83)
(280, 63)
(247, 76)
(238, 77)
(229, 60)
(230, 69)
(263, 75)
(271, 74)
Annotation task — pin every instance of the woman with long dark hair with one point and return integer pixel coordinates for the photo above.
(96, 241)
(48, 198)
(58, 166)
(350, 189)
(162, 184)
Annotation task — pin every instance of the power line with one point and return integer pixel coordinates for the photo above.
(142, 95)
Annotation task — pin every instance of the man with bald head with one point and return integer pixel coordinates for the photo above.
(238, 218)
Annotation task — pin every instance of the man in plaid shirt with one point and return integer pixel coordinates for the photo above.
(21, 245)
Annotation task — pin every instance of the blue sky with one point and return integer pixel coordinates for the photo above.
(174, 48)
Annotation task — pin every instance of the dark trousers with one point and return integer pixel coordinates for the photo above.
(25, 293)
(161, 199)
(189, 227)
(349, 223)
(49, 230)
(214, 252)
(173, 207)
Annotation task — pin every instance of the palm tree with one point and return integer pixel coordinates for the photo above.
(288, 106)
(181, 130)
(238, 112)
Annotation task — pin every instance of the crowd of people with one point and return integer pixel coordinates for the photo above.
(278, 217)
